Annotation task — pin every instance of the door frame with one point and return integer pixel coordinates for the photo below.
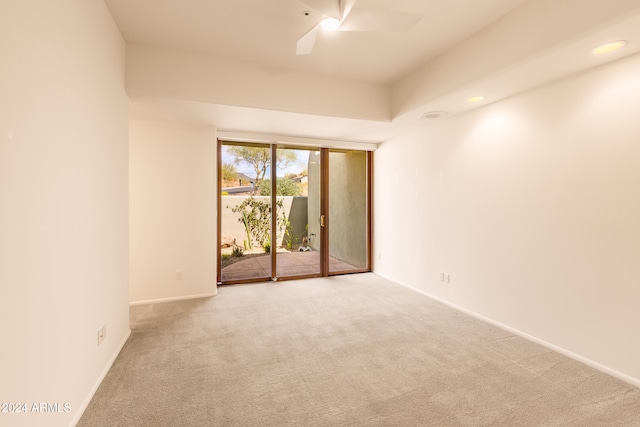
(324, 211)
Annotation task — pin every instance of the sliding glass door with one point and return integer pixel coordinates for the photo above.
(244, 213)
(298, 200)
(290, 212)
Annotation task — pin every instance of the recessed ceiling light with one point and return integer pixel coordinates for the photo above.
(330, 24)
(609, 47)
(475, 99)
(433, 115)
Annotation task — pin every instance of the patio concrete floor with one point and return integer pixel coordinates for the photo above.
(287, 264)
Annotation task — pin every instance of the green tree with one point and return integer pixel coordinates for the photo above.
(259, 158)
(229, 172)
(284, 187)
(286, 158)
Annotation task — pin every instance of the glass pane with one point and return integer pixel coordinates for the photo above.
(298, 210)
(246, 213)
(347, 211)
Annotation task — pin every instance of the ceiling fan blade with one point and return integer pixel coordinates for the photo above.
(326, 7)
(306, 42)
(379, 21)
(345, 8)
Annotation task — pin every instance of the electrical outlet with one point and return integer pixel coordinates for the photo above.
(102, 333)
(441, 276)
(178, 274)
(447, 278)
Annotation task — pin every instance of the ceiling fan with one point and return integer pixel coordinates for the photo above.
(340, 15)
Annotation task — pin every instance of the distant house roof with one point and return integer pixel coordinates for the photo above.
(246, 185)
(239, 190)
(245, 178)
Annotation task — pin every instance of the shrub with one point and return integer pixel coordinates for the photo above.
(284, 187)
(255, 215)
(237, 251)
(229, 172)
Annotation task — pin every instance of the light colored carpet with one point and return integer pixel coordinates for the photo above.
(343, 351)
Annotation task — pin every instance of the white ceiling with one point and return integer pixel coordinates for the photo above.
(459, 48)
(266, 32)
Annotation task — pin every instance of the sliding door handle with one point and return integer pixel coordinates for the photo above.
(321, 220)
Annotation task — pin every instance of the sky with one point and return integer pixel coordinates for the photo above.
(247, 169)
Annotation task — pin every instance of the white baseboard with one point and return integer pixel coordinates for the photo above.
(622, 376)
(93, 390)
(181, 298)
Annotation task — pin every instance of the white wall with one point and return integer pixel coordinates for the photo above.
(64, 212)
(532, 206)
(172, 210)
(514, 46)
(172, 74)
